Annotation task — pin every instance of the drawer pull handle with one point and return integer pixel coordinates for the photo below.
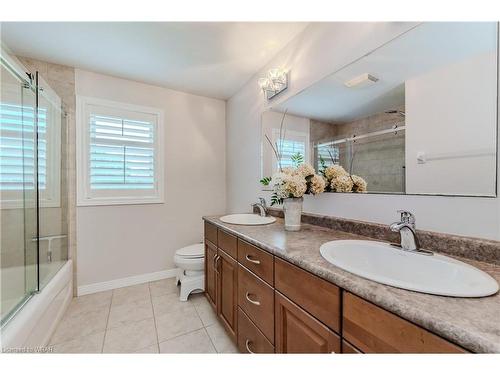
(247, 345)
(247, 296)
(247, 257)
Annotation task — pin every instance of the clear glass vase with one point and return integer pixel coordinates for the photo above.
(292, 208)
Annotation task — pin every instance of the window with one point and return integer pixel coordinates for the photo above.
(17, 154)
(294, 142)
(120, 153)
(330, 155)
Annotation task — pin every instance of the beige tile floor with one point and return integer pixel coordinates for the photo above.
(145, 318)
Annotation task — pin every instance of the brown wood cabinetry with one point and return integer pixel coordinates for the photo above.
(375, 330)
(250, 338)
(317, 296)
(227, 289)
(299, 332)
(269, 305)
(211, 233)
(227, 243)
(349, 349)
(256, 299)
(210, 273)
(256, 260)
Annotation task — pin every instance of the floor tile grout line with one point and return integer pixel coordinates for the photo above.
(154, 318)
(205, 328)
(107, 321)
(211, 341)
(182, 334)
(77, 337)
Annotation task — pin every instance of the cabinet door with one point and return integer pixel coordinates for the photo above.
(227, 292)
(210, 274)
(299, 332)
(374, 330)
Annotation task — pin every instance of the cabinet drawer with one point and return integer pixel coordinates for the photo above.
(317, 296)
(256, 260)
(375, 330)
(299, 332)
(250, 339)
(211, 233)
(228, 243)
(256, 299)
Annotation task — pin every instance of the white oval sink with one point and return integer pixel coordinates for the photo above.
(247, 219)
(433, 274)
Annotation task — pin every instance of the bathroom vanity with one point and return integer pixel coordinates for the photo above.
(274, 293)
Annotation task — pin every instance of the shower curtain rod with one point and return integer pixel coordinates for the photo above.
(367, 135)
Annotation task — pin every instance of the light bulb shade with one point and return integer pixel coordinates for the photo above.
(275, 73)
(275, 82)
(263, 82)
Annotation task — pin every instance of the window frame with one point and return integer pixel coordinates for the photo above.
(92, 197)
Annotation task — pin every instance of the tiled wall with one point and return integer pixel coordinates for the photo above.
(379, 160)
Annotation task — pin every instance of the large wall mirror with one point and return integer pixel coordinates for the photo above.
(418, 115)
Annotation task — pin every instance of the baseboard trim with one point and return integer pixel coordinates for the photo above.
(127, 281)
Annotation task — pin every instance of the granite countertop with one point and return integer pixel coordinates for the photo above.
(473, 323)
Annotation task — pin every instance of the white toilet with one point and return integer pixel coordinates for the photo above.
(191, 261)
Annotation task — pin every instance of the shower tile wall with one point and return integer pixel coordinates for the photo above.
(62, 80)
(380, 160)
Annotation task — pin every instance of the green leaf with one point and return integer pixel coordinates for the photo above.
(275, 199)
(297, 159)
(265, 181)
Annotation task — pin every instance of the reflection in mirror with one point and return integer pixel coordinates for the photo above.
(418, 115)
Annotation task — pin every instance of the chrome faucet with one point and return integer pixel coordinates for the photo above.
(407, 231)
(261, 206)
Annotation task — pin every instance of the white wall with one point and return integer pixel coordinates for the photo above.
(320, 50)
(451, 113)
(121, 241)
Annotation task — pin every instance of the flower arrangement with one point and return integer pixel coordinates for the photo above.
(294, 182)
(340, 181)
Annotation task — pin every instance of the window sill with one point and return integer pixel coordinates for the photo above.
(118, 201)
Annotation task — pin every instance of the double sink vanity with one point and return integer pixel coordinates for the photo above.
(329, 288)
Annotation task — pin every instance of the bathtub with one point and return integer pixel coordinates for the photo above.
(33, 325)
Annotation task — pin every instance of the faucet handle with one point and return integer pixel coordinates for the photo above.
(407, 217)
(262, 201)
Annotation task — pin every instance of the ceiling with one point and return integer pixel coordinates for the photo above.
(427, 47)
(207, 58)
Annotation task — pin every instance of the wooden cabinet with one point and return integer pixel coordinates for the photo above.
(250, 338)
(260, 262)
(317, 296)
(256, 299)
(211, 233)
(375, 330)
(349, 349)
(227, 289)
(210, 273)
(267, 304)
(227, 243)
(299, 332)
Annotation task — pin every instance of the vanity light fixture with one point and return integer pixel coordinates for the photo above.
(275, 82)
(363, 80)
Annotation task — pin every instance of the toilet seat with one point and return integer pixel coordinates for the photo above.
(191, 252)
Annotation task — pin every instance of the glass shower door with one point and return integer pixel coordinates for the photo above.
(18, 191)
(53, 206)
